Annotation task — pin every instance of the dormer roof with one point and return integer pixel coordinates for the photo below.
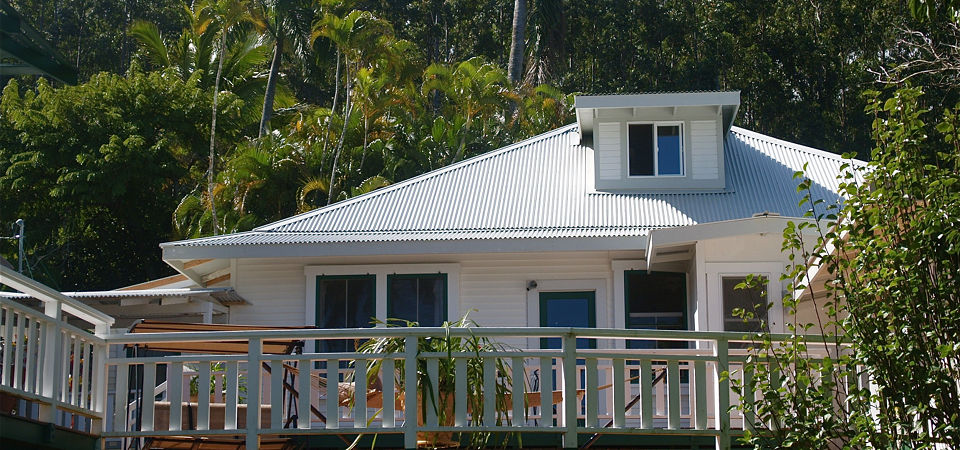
(589, 107)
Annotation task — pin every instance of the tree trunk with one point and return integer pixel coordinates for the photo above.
(213, 132)
(348, 110)
(515, 68)
(271, 88)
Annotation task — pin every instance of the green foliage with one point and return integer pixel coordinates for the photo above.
(885, 374)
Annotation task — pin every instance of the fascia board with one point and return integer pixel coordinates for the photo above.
(738, 227)
(174, 254)
(658, 100)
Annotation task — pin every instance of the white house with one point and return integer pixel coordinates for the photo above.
(643, 214)
(638, 221)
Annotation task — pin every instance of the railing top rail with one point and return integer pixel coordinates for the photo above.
(63, 324)
(46, 294)
(530, 332)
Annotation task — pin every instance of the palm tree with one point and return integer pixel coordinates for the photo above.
(547, 49)
(518, 37)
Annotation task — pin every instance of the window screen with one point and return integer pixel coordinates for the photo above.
(750, 300)
(418, 298)
(641, 149)
(656, 301)
(345, 302)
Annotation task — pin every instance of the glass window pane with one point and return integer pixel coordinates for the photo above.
(332, 303)
(403, 299)
(640, 141)
(362, 302)
(749, 300)
(669, 152)
(566, 310)
(431, 289)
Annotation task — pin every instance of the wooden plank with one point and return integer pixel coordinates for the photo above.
(592, 393)
(254, 385)
(276, 394)
(75, 372)
(546, 392)
(571, 403)
(646, 394)
(410, 413)
(203, 396)
(460, 392)
(146, 404)
(489, 391)
(120, 398)
(619, 394)
(86, 375)
(723, 395)
(360, 393)
(333, 394)
(700, 401)
(32, 356)
(387, 374)
(64, 374)
(175, 394)
(231, 396)
(8, 320)
(746, 401)
(673, 395)
(305, 395)
(433, 401)
(518, 391)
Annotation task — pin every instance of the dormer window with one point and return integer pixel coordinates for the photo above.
(655, 149)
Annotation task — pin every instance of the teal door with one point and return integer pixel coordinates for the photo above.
(568, 309)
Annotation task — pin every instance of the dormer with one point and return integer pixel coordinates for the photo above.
(657, 142)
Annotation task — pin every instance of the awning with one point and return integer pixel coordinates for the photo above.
(270, 346)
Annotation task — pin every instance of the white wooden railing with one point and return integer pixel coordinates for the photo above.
(669, 391)
(47, 361)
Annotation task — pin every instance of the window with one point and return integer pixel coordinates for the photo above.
(420, 298)
(655, 301)
(655, 149)
(568, 309)
(750, 300)
(344, 302)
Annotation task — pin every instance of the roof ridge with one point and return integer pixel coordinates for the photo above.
(792, 145)
(270, 227)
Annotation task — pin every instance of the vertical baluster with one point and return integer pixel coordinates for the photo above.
(460, 392)
(775, 383)
(98, 395)
(30, 384)
(333, 393)
(646, 394)
(518, 391)
(203, 396)
(360, 401)
(433, 400)
(546, 392)
(619, 394)
(305, 394)
(570, 402)
(699, 401)
(723, 395)
(86, 374)
(746, 401)
(673, 395)
(75, 372)
(8, 324)
(387, 374)
(410, 413)
(254, 373)
(175, 394)
(593, 393)
(120, 398)
(146, 404)
(489, 391)
(64, 375)
(18, 352)
(276, 394)
(231, 398)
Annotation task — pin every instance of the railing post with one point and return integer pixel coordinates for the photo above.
(99, 372)
(722, 394)
(410, 413)
(570, 403)
(253, 392)
(50, 382)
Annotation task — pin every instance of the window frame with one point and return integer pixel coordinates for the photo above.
(717, 271)
(656, 148)
(319, 278)
(446, 291)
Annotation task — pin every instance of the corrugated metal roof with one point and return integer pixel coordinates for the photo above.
(543, 188)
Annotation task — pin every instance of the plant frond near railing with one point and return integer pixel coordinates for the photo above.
(445, 382)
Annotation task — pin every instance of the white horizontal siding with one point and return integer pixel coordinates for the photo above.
(275, 290)
(705, 152)
(608, 151)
